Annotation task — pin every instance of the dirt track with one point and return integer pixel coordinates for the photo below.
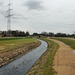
(64, 62)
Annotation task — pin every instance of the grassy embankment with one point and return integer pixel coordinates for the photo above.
(44, 65)
(69, 42)
(10, 48)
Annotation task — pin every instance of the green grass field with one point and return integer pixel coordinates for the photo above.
(11, 48)
(7, 44)
(69, 42)
(44, 65)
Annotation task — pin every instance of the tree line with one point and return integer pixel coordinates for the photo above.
(15, 33)
(51, 34)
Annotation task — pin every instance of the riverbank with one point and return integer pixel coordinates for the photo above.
(44, 66)
(12, 48)
(21, 65)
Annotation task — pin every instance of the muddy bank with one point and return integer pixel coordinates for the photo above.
(7, 57)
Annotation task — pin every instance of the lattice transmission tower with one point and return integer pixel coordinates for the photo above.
(9, 19)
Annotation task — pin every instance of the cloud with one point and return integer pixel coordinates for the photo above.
(1, 3)
(17, 16)
(1, 8)
(34, 5)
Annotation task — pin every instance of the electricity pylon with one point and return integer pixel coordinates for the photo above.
(9, 19)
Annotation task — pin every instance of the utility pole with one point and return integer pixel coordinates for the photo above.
(9, 19)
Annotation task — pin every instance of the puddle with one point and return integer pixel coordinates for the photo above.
(73, 51)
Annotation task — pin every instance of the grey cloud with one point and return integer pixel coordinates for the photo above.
(17, 16)
(1, 9)
(1, 3)
(33, 5)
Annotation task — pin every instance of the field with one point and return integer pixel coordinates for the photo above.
(44, 65)
(8, 44)
(70, 42)
(10, 48)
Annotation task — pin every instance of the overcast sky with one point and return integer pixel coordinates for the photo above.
(39, 15)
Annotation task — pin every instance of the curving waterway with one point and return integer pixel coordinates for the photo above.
(21, 65)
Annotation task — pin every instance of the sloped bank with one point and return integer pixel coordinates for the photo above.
(44, 65)
(12, 55)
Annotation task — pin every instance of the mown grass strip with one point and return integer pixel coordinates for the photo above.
(6, 39)
(14, 43)
(69, 42)
(13, 38)
(44, 65)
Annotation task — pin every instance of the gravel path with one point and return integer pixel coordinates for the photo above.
(64, 62)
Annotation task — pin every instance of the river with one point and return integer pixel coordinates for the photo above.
(21, 65)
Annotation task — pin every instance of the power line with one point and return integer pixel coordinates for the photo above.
(9, 19)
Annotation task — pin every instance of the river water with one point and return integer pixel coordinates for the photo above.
(21, 65)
